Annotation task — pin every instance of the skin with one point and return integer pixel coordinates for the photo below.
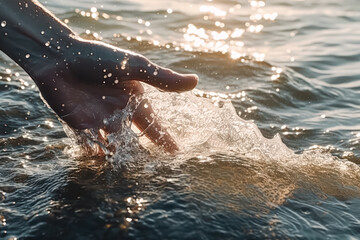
(84, 82)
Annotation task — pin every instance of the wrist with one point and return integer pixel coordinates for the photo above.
(30, 35)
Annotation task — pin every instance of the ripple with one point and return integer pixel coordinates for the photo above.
(289, 68)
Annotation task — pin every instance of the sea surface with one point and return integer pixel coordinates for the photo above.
(269, 138)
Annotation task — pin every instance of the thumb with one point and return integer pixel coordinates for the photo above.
(162, 78)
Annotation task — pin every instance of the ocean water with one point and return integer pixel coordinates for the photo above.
(269, 138)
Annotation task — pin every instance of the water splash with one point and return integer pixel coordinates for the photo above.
(201, 128)
(211, 133)
(121, 147)
(206, 132)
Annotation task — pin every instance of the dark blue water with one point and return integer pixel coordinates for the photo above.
(269, 138)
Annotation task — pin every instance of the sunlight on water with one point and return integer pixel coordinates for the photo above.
(228, 40)
(213, 10)
(284, 70)
(213, 31)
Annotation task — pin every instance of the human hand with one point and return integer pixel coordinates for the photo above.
(88, 81)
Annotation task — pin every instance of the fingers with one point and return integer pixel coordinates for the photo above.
(144, 118)
(159, 77)
(104, 64)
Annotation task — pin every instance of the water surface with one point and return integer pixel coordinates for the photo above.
(269, 138)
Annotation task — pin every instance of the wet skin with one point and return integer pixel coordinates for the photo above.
(84, 82)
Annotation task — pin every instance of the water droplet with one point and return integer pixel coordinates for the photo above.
(109, 75)
(116, 81)
(47, 43)
(3, 23)
(123, 64)
(146, 105)
(42, 32)
(27, 55)
(155, 73)
(103, 97)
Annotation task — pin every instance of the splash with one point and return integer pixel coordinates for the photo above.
(208, 132)
(201, 128)
(121, 148)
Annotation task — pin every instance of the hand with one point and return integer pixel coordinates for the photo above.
(88, 81)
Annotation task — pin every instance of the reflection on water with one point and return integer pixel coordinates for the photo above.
(271, 72)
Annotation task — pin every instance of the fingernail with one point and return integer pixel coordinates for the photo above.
(194, 80)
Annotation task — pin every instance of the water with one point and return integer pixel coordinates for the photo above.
(288, 167)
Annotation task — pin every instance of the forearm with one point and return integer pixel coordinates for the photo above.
(29, 34)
